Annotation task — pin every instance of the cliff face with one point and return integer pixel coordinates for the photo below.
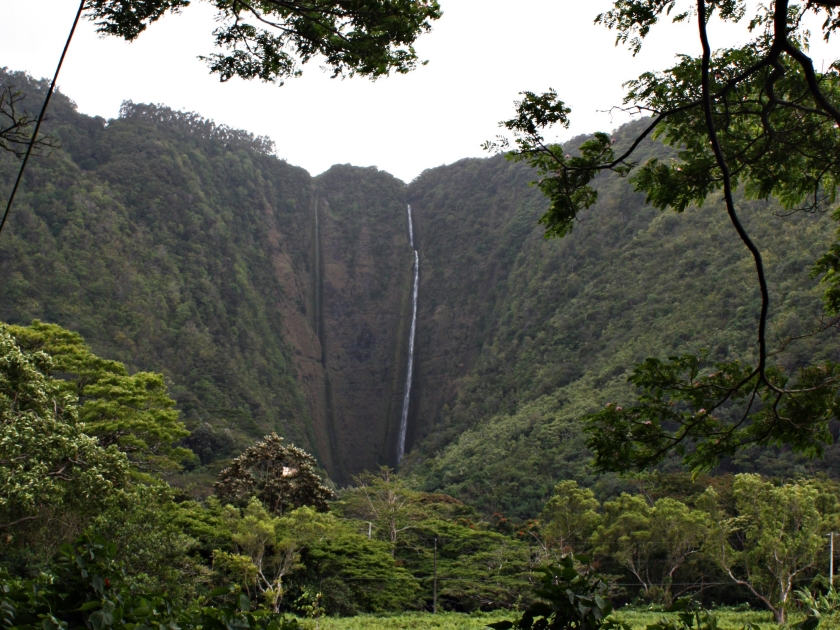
(363, 312)
(471, 221)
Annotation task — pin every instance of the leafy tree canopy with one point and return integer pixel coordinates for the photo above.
(777, 534)
(49, 469)
(268, 547)
(282, 477)
(570, 516)
(131, 411)
(271, 39)
(760, 117)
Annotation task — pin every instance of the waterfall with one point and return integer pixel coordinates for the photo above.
(410, 369)
(410, 228)
(317, 274)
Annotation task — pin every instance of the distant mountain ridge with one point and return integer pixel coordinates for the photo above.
(274, 300)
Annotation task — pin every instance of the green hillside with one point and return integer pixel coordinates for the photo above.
(175, 245)
(563, 321)
(148, 239)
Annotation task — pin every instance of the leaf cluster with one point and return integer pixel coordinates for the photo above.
(48, 465)
(571, 597)
(134, 412)
(703, 411)
(271, 39)
(85, 588)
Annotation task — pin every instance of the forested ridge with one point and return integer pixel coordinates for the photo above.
(175, 245)
(143, 236)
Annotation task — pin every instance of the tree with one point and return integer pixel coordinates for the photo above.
(52, 475)
(569, 518)
(269, 547)
(282, 477)
(209, 444)
(15, 124)
(758, 116)
(271, 39)
(776, 535)
(360, 570)
(156, 553)
(651, 542)
(130, 411)
(383, 498)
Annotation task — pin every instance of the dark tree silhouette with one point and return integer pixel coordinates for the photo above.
(282, 477)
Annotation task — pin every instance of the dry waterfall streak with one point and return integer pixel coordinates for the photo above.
(410, 368)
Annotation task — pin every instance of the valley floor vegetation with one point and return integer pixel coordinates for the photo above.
(93, 535)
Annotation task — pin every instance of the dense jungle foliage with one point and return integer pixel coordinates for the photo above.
(94, 535)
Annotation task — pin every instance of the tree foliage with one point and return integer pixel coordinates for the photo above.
(652, 542)
(572, 597)
(130, 411)
(51, 471)
(271, 39)
(268, 547)
(384, 499)
(282, 477)
(757, 116)
(86, 588)
(570, 517)
(776, 535)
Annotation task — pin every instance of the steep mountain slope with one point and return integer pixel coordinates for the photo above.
(471, 220)
(563, 326)
(366, 264)
(175, 245)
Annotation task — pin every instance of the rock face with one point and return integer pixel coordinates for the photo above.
(363, 285)
(471, 220)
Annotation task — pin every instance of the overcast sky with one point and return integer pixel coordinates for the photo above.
(481, 54)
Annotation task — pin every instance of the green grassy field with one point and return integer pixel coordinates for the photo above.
(728, 620)
(416, 621)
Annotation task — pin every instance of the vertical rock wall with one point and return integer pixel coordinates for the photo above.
(365, 267)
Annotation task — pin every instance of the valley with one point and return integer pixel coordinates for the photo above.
(277, 301)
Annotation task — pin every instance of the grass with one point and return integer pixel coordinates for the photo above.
(417, 621)
(727, 619)
(638, 619)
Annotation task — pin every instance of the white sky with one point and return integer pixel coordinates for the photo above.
(481, 54)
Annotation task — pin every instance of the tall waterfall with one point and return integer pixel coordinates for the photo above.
(410, 228)
(410, 369)
(317, 274)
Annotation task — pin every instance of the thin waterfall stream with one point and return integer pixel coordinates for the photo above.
(410, 369)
